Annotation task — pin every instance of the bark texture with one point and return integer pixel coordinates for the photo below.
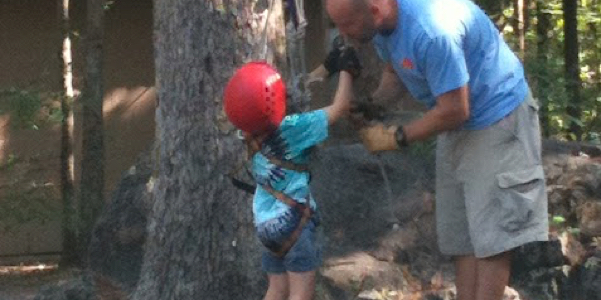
(200, 242)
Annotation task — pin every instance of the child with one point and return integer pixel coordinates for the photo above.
(283, 207)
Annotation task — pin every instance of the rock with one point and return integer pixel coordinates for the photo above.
(589, 216)
(350, 188)
(89, 286)
(584, 281)
(81, 288)
(570, 148)
(572, 182)
(540, 284)
(534, 272)
(116, 247)
(537, 255)
(572, 249)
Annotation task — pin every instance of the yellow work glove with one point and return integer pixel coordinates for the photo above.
(379, 137)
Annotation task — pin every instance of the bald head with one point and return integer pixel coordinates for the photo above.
(362, 19)
(347, 5)
(353, 18)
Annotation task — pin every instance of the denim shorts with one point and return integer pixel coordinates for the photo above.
(305, 255)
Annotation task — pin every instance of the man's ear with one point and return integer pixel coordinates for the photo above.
(376, 11)
(377, 8)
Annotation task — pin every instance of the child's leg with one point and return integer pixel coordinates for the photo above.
(302, 262)
(278, 286)
(302, 285)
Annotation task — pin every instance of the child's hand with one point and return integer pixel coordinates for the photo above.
(331, 63)
(350, 62)
(343, 59)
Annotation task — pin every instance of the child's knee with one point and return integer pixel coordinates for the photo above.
(278, 285)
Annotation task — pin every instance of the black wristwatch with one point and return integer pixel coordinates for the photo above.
(401, 138)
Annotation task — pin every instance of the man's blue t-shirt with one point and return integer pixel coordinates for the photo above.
(291, 141)
(440, 45)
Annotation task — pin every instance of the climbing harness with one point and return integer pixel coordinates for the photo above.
(304, 209)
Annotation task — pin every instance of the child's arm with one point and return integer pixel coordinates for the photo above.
(342, 99)
(350, 67)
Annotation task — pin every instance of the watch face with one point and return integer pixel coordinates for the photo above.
(398, 134)
(400, 137)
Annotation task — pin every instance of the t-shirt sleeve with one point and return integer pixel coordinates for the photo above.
(444, 64)
(302, 131)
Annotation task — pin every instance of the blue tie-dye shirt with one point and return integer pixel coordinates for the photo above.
(291, 141)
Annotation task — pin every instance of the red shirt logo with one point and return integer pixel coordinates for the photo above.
(407, 64)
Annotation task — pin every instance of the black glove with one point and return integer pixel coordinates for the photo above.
(331, 63)
(349, 62)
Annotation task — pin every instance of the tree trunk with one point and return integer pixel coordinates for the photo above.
(519, 26)
(543, 82)
(572, 68)
(69, 223)
(91, 188)
(596, 64)
(201, 242)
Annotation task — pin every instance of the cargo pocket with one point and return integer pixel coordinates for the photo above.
(533, 103)
(519, 193)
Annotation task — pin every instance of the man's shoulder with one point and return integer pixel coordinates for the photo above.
(436, 18)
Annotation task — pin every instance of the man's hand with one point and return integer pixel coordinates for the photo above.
(378, 138)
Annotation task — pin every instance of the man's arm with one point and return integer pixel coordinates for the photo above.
(452, 109)
(389, 85)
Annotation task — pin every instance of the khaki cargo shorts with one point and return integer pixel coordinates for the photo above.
(490, 186)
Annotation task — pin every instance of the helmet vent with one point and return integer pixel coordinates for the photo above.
(269, 101)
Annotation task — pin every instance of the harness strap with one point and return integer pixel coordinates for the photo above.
(254, 146)
(306, 213)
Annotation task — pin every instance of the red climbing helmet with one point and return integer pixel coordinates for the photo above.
(255, 98)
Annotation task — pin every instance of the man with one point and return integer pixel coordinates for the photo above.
(490, 190)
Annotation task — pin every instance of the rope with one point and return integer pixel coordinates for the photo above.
(295, 35)
(263, 42)
(391, 218)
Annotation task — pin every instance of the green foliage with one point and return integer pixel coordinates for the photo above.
(10, 162)
(558, 220)
(23, 106)
(30, 109)
(546, 74)
(56, 115)
(35, 204)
